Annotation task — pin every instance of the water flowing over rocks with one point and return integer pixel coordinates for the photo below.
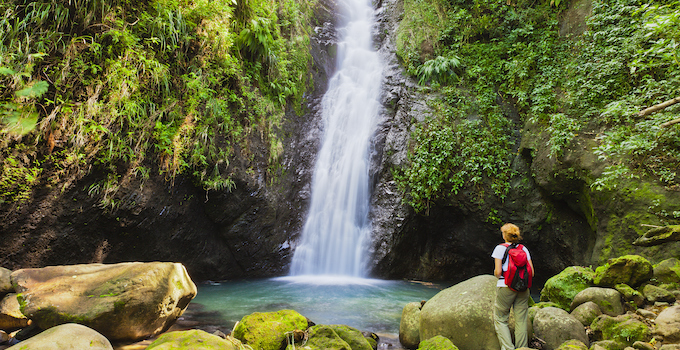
(126, 301)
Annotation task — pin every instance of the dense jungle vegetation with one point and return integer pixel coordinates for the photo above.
(127, 88)
(483, 56)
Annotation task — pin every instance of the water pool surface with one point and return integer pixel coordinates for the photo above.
(366, 304)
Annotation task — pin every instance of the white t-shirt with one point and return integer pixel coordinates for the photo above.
(498, 253)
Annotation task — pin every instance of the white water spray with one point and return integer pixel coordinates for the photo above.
(337, 225)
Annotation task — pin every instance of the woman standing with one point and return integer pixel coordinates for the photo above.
(506, 297)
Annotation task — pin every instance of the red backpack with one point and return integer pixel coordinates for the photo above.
(518, 275)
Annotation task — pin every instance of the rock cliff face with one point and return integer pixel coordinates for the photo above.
(564, 221)
(246, 232)
(252, 230)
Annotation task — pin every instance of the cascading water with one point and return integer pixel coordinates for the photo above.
(337, 224)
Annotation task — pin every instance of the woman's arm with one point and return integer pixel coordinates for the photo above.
(498, 268)
(533, 272)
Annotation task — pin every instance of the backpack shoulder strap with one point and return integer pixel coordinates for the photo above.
(507, 250)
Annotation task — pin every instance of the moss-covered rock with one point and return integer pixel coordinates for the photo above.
(572, 344)
(267, 330)
(323, 337)
(11, 317)
(125, 301)
(352, 336)
(437, 343)
(563, 287)
(668, 271)
(629, 294)
(409, 326)
(623, 329)
(629, 269)
(608, 299)
(586, 313)
(654, 294)
(194, 339)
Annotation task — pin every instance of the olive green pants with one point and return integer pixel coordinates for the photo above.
(505, 299)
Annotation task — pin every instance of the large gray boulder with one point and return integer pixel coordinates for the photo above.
(11, 317)
(127, 301)
(464, 314)
(555, 326)
(409, 326)
(68, 336)
(608, 299)
(668, 324)
(586, 313)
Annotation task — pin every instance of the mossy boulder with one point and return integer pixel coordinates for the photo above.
(563, 287)
(11, 317)
(323, 337)
(586, 313)
(267, 330)
(126, 301)
(654, 294)
(608, 299)
(194, 339)
(573, 344)
(68, 336)
(668, 271)
(632, 270)
(352, 336)
(437, 343)
(630, 295)
(409, 326)
(555, 326)
(623, 329)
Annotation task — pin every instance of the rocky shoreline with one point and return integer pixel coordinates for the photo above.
(628, 303)
(625, 304)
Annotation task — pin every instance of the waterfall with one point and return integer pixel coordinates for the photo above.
(337, 224)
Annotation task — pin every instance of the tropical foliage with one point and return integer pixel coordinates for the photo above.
(516, 63)
(174, 86)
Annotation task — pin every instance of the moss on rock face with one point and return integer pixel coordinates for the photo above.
(668, 271)
(437, 343)
(629, 294)
(194, 339)
(324, 337)
(563, 287)
(266, 330)
(352, 336)
(573, 345)
(654, 294)
(623, 329)
(629, 269)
